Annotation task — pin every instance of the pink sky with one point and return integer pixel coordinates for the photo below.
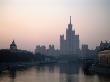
(34, 22)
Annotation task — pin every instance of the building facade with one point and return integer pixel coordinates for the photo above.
(51, 51)
(70, 45)
(40, 49)
(84, 51)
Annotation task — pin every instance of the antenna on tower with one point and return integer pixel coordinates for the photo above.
(70, 19)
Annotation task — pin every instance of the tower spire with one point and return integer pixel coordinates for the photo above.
(70, 19)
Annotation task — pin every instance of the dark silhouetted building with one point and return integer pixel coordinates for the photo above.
(13, 46)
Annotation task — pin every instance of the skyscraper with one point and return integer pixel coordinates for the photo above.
(70, 45)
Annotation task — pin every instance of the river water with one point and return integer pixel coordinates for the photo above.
(52, 73)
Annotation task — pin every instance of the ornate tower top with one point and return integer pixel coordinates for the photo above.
(13, 42)
(70, 25)
(13, 46)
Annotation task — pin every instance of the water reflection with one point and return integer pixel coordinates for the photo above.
(104, 78)
(12, 75)
(42, 68)
(69, 68)
(69, 72)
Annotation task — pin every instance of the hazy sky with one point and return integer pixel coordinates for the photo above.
(34, 22)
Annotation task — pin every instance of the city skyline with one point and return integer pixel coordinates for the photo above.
(31, 22)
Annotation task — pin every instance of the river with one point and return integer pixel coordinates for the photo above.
(52, 73)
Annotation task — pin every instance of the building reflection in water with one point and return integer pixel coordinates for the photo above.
(12, 75)
(44, 68)
(47, 73)
(69, 72)
(103, 78)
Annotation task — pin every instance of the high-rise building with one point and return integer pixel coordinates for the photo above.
(70, 45)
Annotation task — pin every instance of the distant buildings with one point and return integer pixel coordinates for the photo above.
(40, 49)
(103, 46)
(86, 53)
(13, 48)
(84, 50)
(103, 51)
(70, 45)
(104, 57)
(51, 51)
(91, 54)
